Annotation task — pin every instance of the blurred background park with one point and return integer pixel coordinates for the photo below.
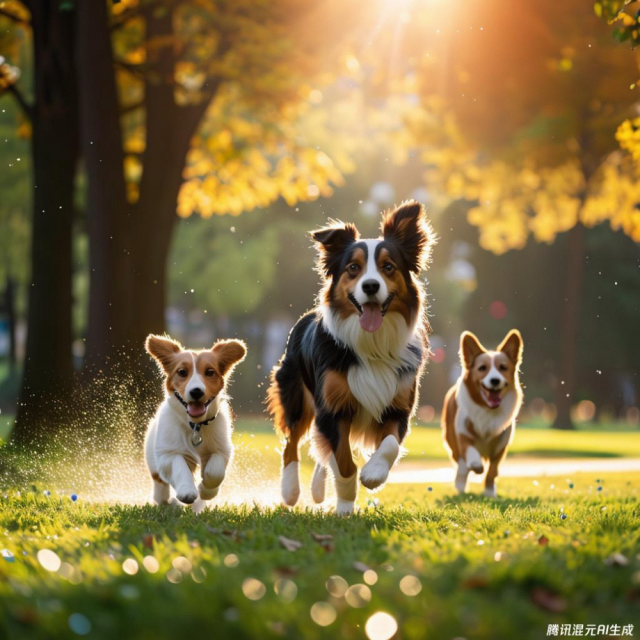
(161, 162)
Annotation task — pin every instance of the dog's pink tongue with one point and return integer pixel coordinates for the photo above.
(494, 399)
(196, 409)
(371, 318)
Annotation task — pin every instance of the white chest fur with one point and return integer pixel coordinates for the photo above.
(374, 380)
(487, 423)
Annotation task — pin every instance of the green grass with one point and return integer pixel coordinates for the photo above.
(449, 543)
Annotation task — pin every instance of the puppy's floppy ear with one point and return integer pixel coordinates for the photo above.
(230, 353)
(408, 226)
(470, 349)
(331, 241)
(162, 348)
(512, 346)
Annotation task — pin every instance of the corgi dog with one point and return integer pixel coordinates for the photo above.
(351, 369)
(480, 410)
(193, 425)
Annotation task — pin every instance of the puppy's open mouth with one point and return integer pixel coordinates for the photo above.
(493, 398)
(371, 313)
(196, 409)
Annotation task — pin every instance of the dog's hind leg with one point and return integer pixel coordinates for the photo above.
(461, 476)
(318, 483)
(161, 490)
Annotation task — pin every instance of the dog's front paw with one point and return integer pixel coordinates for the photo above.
(375, 473)
(461, 485)
(345, 507)
(199, 506)
(490, 492)
(187, 496)
(207, 494)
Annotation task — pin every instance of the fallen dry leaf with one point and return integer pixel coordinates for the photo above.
(288, 544)
(321, 537)
(547, 600)
(148, 541)
(617, 560)
(543, 541)
(475, 582)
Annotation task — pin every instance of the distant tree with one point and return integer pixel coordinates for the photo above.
(528, 115)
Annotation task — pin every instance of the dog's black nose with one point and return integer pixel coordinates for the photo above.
(196, 393)
(370, 287)
(494, 382)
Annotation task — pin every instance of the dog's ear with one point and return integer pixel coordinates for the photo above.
(230, 353)
(331, 241)
(162, 348)
(512, 346)
(408, 226)
(470, 349)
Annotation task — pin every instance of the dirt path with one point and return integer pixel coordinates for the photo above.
(418, 473)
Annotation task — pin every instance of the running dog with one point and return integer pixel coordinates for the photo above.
(480, 411)
(193, 425)
(352, 365)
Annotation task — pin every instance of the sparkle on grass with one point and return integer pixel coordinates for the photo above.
(150, 564)
(49, 559)
(323, 613)
(130, 567)
(79, 624)
(231, 560)
(381, 626)
(358, 596)
(182, 564)
(410, 586)
(370, 576)
(253, 589)
(337, 586)
(286, 590)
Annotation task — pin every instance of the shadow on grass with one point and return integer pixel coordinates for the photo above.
(502, 504)
(562, 453)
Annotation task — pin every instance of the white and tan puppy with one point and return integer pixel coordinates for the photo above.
(193, 425)
(480, 410)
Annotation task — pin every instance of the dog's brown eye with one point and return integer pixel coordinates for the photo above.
(482, 367)
(209, 373)
(503, 367)
(182, 373)
(353, 269)
(388, 267)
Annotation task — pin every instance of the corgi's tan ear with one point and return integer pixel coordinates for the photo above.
(229, 353)
(162, 349)
(470, 349)
(512, 346)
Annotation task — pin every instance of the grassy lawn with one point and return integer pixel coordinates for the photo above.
(442, 566)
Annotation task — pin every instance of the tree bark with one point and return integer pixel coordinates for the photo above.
(48, 366)
(169, 130)
(110, 301)
(566, 389)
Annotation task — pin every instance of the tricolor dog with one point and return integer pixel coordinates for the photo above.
(352, 366)
(480, 411)
(192, 426)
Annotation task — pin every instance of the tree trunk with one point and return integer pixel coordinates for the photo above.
(569, 329)
(10, 308)
(169, 130)
(110, 303)
(48, 366)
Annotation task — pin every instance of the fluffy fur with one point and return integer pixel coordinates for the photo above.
(480, 410)
(200, 379)
(351, 369)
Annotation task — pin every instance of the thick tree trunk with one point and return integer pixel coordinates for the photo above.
(10, 308)
(48, 366)
(169, 130)
(110, 303)
(565, 392)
